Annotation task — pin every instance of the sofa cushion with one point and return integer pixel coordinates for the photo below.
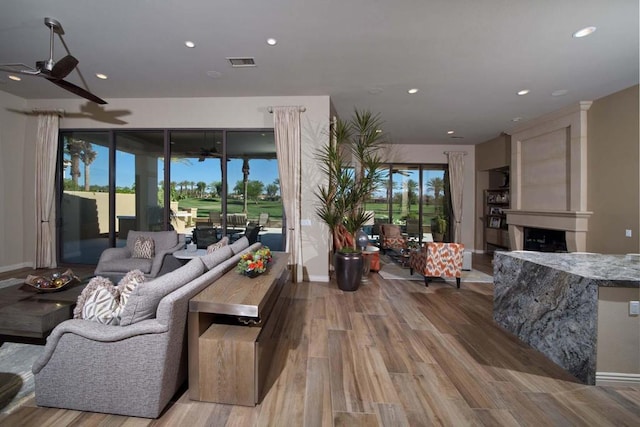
(216, 257)
(124, 265)
(143, 301)
(143, 247)
(215, 246)
(240, 245)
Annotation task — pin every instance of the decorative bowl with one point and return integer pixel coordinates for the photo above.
(55, 283)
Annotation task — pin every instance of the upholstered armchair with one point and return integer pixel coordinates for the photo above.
(391, 238)
(116, 262)
(438, 260)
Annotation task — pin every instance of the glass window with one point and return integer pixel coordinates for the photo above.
(84, 203)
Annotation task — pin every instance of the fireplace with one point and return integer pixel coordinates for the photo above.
(549, 182)
(544, 240)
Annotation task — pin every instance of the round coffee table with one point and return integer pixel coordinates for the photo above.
(186, 254)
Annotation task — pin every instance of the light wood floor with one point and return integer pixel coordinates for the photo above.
(394, 353)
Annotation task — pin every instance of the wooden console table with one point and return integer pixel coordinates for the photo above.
(234, 326)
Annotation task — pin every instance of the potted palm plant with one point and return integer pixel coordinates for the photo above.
(350, 162)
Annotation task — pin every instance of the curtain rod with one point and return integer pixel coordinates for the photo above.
(58, 112)
(301, 109)
(451, 152)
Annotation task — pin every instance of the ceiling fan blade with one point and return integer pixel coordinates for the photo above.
(63, 67)
(77, 90)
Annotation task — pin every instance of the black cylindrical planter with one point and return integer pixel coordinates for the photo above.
(348, 267)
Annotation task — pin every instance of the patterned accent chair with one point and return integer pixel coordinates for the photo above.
(438, 260)
(391, 238)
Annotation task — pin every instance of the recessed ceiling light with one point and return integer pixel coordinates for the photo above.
(516, 119)
(559, 92)
(101, 76)
(14, 78)
(190, 44)
(214, 74)
(584, 32)
(271, 41)
(412, 91)
(375, 90)
(450, 132)
(523, 92)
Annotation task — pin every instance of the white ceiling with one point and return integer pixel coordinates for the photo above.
(468, 58)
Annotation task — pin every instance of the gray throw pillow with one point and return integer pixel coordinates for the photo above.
(217, 256)
(240, 245)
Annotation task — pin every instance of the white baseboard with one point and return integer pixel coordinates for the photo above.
(617, 379)
(16, 266)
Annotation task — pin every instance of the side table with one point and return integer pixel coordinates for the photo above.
(367, 254)
(234, 326)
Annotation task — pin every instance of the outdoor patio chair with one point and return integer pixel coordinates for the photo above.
(215, 218)
(391, 238)
(263, 220)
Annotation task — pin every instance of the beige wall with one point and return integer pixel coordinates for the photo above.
(14, 253)
(618, 347)
(614, 173)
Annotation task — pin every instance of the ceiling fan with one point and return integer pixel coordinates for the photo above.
(207, 153)
(54, 71)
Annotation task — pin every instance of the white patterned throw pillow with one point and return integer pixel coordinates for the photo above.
(143, 247)
(103, 302)
(128, 283)
(99, 302)
(215, 246)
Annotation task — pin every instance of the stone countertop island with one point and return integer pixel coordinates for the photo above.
(550, 301)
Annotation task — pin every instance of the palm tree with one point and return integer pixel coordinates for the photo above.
(201, 186)
(87, 155)
(436, 185)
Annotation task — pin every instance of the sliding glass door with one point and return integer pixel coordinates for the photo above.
(83, 208)
(150, 180)
(412, 196)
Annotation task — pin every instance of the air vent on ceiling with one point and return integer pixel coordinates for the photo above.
(242, 62)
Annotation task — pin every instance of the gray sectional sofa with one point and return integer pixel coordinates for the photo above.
(134, 368)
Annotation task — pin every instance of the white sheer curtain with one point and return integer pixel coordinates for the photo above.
(287, 134)
(456, 182)
(46, 154)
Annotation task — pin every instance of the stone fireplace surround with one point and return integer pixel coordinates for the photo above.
(549, 177)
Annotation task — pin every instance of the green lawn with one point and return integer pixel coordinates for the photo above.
(274, 208)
